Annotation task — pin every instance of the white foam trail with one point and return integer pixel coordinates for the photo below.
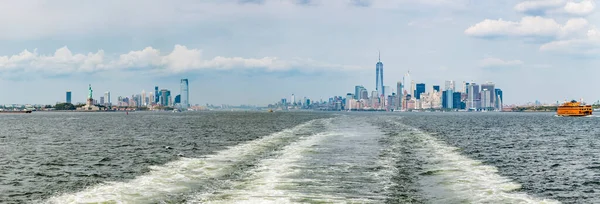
(268, 181)
(450, 177)
(177, 177)
(276, 179)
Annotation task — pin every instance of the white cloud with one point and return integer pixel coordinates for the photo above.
(589, 44)
(181, 59)
(580, 8)
(62, 61)
(527, 27)
(495, 62)
(540, 7)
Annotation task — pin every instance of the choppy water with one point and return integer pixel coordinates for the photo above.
(251, 157)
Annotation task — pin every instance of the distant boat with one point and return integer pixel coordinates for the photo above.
(176, 110)
(270, 110)
(574, 108)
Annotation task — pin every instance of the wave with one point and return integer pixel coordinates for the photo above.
(449, 177)
(172, 181)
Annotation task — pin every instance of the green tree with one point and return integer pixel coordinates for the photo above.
(64, 106)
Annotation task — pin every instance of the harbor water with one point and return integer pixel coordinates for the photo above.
(298, 157)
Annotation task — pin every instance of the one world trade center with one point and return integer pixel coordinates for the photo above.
(379, 78)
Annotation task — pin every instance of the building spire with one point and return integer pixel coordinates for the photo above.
(379, 55)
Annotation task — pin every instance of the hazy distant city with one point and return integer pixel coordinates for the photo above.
(407, 96)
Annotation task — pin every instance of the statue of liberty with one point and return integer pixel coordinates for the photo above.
(90, 92)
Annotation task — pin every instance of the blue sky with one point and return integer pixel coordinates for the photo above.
(258, 51)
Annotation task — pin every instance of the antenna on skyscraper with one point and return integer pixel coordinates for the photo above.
(379, 55)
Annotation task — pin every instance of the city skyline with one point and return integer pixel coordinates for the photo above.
(258, 51)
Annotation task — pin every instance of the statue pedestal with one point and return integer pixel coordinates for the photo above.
(89, 106)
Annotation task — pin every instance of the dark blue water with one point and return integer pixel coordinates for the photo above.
(295, 157)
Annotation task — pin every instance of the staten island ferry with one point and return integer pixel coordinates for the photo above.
(574, 108)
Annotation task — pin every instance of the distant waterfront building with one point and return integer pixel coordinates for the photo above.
(156, 95)
(498, 100)
(436, 88)
(138, 100)
(456, 100)
(420, 89)
(107, 98)
(477, 96)
(349, 98)
(399, 95)
(448, 99)
(178, 100)
(150, 98)
(490, 87)
(164, 97)
(379, 78)
(185, 94)
(143, 99)
(374, 100)
(472, 96)
(364, 94)
(293, 99)
(68, 99)
(102, 100)
(486, 98)
(450, 85)
(357, 90)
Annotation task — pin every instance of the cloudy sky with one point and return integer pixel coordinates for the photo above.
(258, 51)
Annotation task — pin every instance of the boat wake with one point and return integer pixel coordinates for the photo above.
(174, 181)
(446, 176)
(337, 160)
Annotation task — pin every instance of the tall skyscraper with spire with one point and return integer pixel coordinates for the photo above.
(379, 77)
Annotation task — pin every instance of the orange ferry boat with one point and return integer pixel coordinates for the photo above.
(574, 108)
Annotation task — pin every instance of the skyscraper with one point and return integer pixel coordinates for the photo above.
(450, 85)
(477, 96)
(293, 99)
(498, 100)
(164, 97)
(156, 95)
(490, 87)
(357, 90)
(143, 99)
(379, 77)
(449, 99)
(68, 97)
(412, 88)
(456, 102)
(486, 97)
(436, 88)
(185, 94)
(177, 99)
(364, 94)
(420, 89)
(399, 95)
(107, 98)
